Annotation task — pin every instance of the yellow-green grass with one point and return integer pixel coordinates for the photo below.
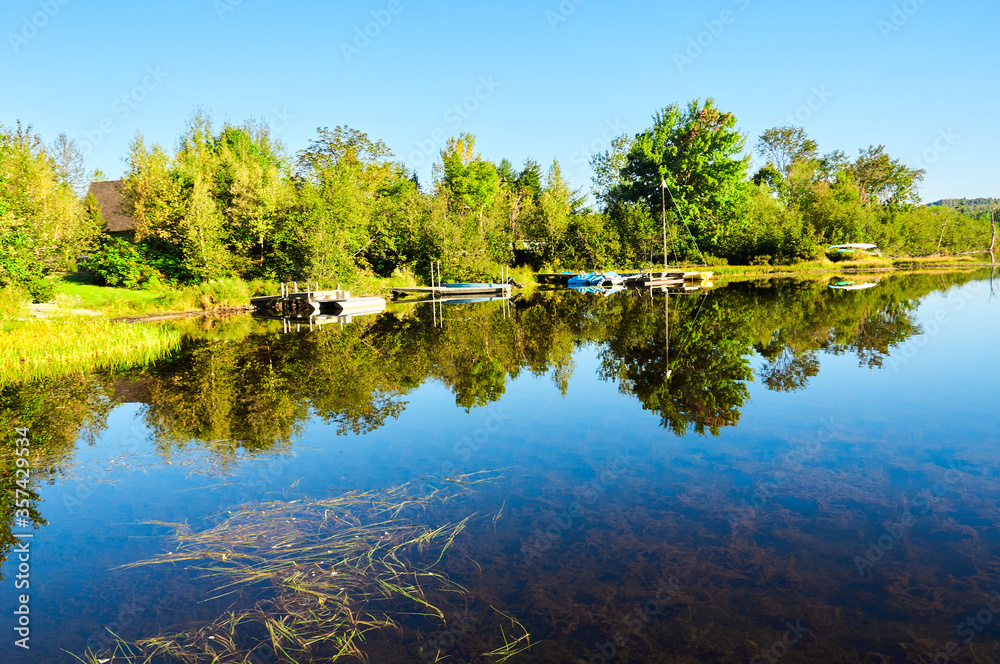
(42, 348)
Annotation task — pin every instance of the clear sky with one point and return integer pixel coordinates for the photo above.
(545, 79)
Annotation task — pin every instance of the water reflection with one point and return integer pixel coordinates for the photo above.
(743, 541)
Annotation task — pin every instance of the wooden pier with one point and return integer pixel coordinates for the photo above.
(310, 302)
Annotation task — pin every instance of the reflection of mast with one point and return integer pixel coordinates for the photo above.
(666, 325)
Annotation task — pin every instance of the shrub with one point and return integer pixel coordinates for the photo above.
(121, 263)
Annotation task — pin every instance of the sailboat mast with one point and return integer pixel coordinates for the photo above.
(663, 200)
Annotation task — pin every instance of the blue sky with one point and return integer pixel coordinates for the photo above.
(544, 79)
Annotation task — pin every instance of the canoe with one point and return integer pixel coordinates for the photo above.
(473, 285)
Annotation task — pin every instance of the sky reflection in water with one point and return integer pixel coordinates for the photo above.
(815, 482)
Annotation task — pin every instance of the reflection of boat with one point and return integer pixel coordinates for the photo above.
(840, 284)
(598, 289)
(596, 279)
(468, 300)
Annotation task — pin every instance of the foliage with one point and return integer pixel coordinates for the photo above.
(42, 225)
(120, 263)
(695, 152)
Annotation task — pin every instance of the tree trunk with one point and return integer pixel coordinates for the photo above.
(993, 230)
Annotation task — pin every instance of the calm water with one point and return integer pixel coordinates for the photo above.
(815, 481)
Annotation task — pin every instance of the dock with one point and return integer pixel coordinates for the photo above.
(310, 302)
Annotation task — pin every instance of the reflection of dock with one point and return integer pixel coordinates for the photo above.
(310, 302)
(315, 322)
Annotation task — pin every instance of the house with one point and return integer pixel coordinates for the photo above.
(109, 196)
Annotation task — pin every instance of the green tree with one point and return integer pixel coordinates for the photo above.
(42, 222)
(697, 152)
(782, 146)
(470, 182)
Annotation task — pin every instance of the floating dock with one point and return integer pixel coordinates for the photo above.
(310, 302)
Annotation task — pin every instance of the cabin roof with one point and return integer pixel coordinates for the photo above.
(109, 196)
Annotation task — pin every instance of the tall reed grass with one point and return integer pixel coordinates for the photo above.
(41, 348)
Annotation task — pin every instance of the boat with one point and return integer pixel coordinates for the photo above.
(870, 249)
(481, 285)
(851, 286)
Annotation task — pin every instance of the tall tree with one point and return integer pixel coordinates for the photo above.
(471, 182)
(782, 146)
(883, 180)
(70, 165)
(697, 152)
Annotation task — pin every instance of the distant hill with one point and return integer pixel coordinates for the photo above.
(971, 205)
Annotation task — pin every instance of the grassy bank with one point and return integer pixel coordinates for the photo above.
(37, 349)
(77, 293)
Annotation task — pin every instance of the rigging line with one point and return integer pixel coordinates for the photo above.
(688, 228)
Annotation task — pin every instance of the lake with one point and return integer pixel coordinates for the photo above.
(770, 470)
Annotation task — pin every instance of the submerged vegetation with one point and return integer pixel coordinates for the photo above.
(321, 573)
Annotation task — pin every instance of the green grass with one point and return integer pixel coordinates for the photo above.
(77, 291)
(41, 348)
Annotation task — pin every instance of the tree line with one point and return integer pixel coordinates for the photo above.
(231, 201)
